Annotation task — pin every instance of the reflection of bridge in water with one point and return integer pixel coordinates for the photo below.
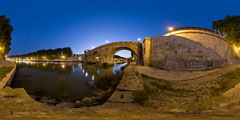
(119, 60)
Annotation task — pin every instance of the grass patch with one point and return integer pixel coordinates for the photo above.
(227, 81)
(168, 87)
(4, 71)
(82, 104)
(141, 96)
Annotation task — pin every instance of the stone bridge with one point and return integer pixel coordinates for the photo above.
(106, 52)
(186, 48)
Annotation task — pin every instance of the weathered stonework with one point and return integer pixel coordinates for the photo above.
(105, 53)
(146, 50)
(178, 53)
(186, 48)
(209, 39)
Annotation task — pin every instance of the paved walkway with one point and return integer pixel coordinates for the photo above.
(172, 75)
(129, 83)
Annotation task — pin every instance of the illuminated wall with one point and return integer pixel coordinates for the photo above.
(211, 40)
(178, 53)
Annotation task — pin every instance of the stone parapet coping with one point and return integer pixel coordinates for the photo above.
(8, 78)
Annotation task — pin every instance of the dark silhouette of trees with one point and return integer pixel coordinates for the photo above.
(5, 34)
(67, 52)
(229, 27)
(49, 54)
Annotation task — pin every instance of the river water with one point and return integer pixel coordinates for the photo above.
(66, 81)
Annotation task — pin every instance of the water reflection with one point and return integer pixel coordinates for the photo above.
(64, 81)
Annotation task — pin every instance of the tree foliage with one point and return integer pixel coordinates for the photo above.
(50, 53)
(5, 34)
(229, 27)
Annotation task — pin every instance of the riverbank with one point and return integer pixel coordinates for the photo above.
(165, 102)
(7, 72)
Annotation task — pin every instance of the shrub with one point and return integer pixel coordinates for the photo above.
(141, 96)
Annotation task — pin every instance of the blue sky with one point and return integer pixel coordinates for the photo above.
(81, 24)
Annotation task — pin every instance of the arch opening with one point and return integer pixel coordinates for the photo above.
(123, 55)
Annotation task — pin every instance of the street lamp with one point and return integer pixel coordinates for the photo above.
(170, 29)
(107, 41)
(93, 47)
(63, 57)
(139, 39)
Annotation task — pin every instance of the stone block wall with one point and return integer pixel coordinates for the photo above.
(212, 41)
(178, 53)
(146, 51)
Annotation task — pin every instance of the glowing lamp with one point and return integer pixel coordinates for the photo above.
(63, 57)
(63, 66)
(1, 49)
(170, 29)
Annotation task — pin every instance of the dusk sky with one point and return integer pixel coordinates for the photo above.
(81, 24)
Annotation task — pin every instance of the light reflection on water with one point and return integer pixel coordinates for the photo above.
(65, 81)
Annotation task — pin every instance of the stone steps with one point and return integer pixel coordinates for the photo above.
(129, 83)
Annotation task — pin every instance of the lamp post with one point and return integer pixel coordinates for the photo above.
(170, 29)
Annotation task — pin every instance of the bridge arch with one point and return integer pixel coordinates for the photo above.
(112, 53)
(106, 52)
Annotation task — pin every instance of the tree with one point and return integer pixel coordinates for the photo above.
(49, 54)
(5, 34)
(229, 27)
(67, 51)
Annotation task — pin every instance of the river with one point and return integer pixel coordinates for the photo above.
(65, 81)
